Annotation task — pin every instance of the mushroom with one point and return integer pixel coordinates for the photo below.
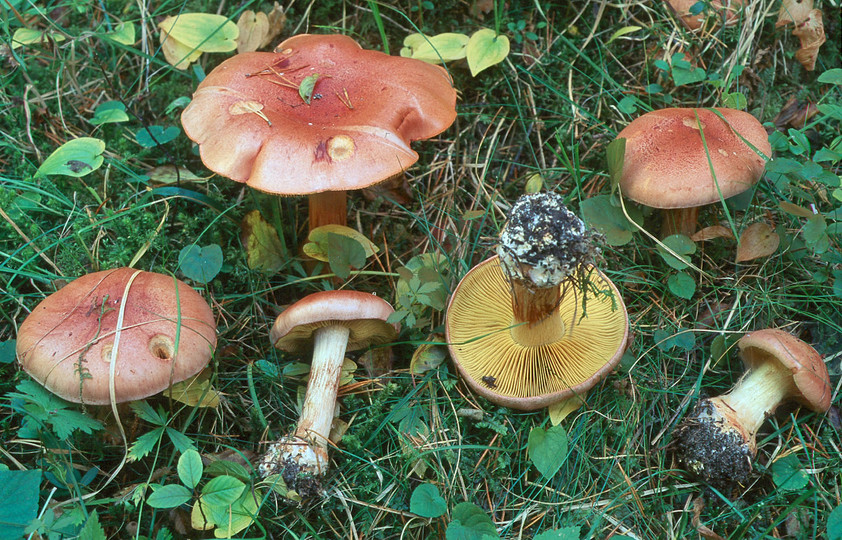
(668, 165)
(319, 116)
(330, 323)
(537, 323)
(117, 335)
(717, 441)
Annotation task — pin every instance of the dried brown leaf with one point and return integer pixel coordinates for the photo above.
(794, 12)
(795, 114)
(277, 22)
(709, 233)
(811, 34)
(758, 240)
(254, 27)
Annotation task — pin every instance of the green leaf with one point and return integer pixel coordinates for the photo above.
(470, 522)
(241, 514)
(145, 444)
(565, 533)
(202, 31)
(155, 135)
(547, 449)
(622, 32)
(734, 100)
(599, 213)
(814, 229)
(123, 33)
(201, 264)
(344, 253)
(169, 496)
(615, 154)
(317, 241)
(145, 412)
(19, 493)
(831, 76)
(7, 351)
(680, 244)
(222, 491)
(684, 73)
(436, 49)
(181, 441)
(788, 474)
(28, 36)
(190, 468)
(485, 48)
(307, 86)
(222, 467)
(427, 356)
(75, 158)
(683, 339)
(264, 250)
(628, 105)
(834, 522)
(92, 529)
(682, 285)
(110, 112)
(427, 502)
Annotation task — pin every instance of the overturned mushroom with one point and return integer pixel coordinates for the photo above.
(717, 441)
(537, 323)
(329, 323)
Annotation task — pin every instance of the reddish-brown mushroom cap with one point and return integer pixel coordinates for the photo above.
(253, 126)
(809, 372)
(364, 314)
(666, 161)
(168, 334)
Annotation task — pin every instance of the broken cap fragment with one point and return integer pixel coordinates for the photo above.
(167, 335)
(328, 116)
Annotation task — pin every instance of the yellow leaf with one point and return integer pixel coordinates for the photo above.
(177, 54)
(435, 49)
(200, 518)
(485, 48)
(254, 27)
(241, 514)
(264, 250)
(195, 392)
(202, 31)
(758, 240)
(794, 209)
(534, 183)
(170, 174)
(26, 36)
(559, 411)
(428, 356)
(246, 107)
(316, 247)
(123, 33)
(622, 32)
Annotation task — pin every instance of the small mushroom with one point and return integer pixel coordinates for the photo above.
(318, 117)
(167, 334)
(330, 323)
(669, 165)
(538, 323)
(717, 441)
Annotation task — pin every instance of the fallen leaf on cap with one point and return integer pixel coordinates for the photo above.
(758, 240)
(811, 34)
(709, 233)
(246, 107)
(794, 12)
(254, 27)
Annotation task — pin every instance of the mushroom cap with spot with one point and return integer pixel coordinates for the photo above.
(364, 314)
(73, 330)
(666, 161)
(253, 126)
(809, 372)
(571, 355)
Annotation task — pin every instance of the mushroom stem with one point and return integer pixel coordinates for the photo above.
(531, 304)
(307, 448)
(679, 221)
(756, 395)
(320, 400)
(328, 208)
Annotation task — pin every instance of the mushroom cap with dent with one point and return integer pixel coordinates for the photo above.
(809, 372)
(666, 165)
(527, 376)
(365, 109)
(364, 314)
(79, 323)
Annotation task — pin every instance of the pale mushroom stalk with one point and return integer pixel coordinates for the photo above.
(717, 441)
(330, 322)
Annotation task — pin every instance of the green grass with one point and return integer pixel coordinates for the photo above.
(550, 108)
